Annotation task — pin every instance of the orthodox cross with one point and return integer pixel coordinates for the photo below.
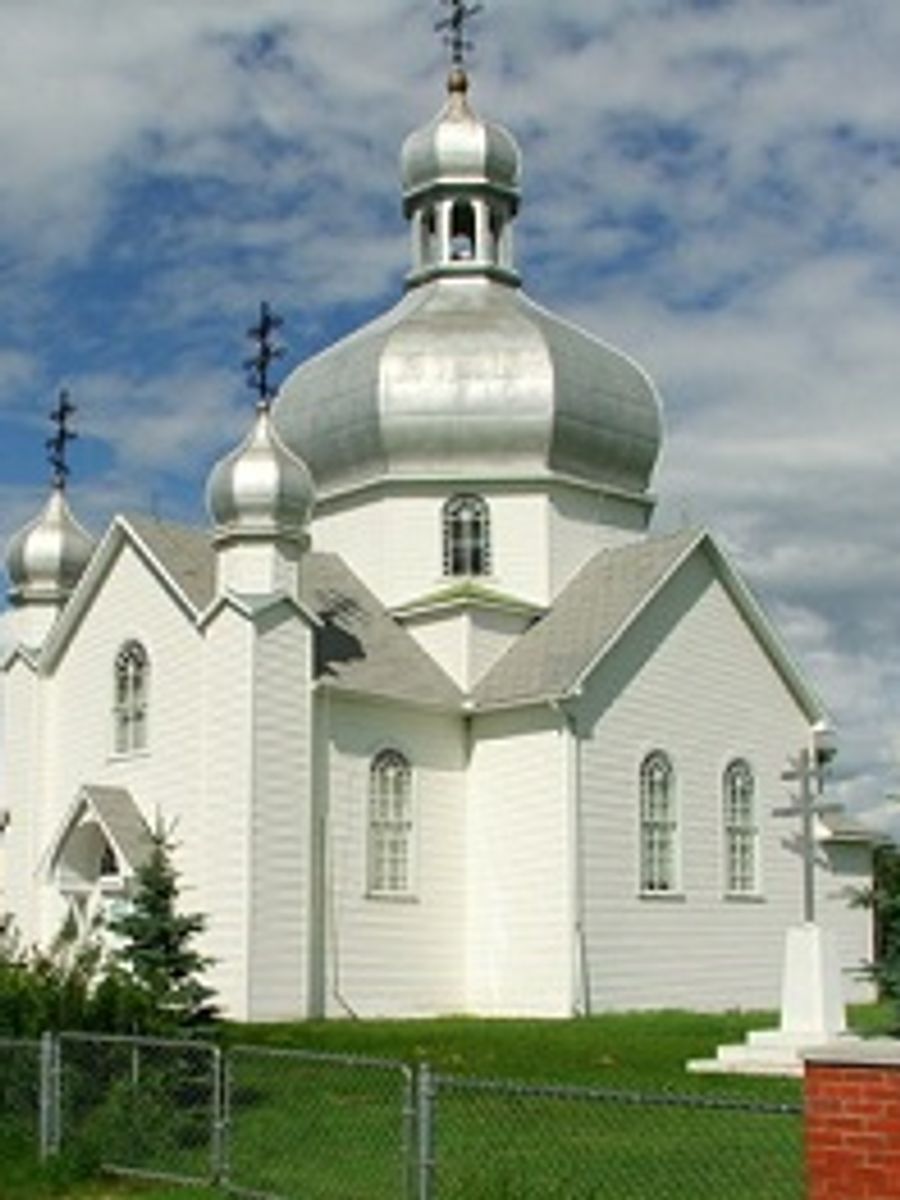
(454, 28)
(56, 445)
(807, 771)
(267, 352)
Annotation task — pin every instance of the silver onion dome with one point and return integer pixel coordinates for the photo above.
(467, 378)
(470, 379)
(262, 488)
(459, 147)
(46, 558)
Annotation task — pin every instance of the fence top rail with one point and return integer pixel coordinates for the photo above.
(127, 1039)
(326, 1057)
(615, 1095)
(14, 1043)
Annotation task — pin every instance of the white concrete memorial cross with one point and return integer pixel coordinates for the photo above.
(806, 770)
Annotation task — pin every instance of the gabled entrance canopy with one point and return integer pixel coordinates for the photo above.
(103, 837)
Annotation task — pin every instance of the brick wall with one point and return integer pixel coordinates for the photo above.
(853, 1122)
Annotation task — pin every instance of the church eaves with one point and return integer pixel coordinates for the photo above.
(360, 648)
(556, 655)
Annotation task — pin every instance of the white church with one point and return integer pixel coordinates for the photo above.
(441, 724)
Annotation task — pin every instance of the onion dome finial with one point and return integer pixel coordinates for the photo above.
(261, 489)
(46, 558)
(461, 179)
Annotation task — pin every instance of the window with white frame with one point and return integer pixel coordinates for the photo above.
(131, 685)
(741, 829)
(390, 825)
(659, 825)
(467, 536)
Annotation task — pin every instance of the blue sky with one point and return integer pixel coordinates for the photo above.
(713, 185)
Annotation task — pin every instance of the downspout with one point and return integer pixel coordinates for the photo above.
(581, 982)
(327, 917)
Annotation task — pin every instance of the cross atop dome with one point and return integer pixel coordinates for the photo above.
(56, 445)
(267, 352)
(453, 27)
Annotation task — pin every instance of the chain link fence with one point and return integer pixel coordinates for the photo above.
(284, 1124)
(139, 1106)
(500, 1140)
(318, 1125)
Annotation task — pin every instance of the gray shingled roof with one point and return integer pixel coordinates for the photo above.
(549, 659)
(360, 647)
(186, 555)
(122, 821)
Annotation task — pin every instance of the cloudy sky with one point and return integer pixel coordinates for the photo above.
(713, 185)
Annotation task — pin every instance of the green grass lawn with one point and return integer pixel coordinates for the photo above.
(316, 1130)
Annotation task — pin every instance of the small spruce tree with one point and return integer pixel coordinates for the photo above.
(162, 969)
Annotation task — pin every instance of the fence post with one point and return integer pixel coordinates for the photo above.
(425, 1096)
(49, 1097)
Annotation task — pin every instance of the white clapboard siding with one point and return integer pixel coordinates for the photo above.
(692, 680)
(222, 855)
(395, 956)
(582, 522)
(395, 543)
(281, 830)
(78, 707)
(520, 877)
(20, 792)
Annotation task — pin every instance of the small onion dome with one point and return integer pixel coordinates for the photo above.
(458, 147)
(261, 489)
(46, 558)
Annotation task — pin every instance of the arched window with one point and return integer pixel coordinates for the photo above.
(740, 828)
(132, 679)
(390, 825)
(462, 231)
(659, 825)
(467, 536)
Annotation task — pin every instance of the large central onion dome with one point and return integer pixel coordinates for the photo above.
(466, 378)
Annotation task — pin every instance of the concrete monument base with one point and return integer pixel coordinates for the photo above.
(812, 1012)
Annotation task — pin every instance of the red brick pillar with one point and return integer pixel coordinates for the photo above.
(853, 1121)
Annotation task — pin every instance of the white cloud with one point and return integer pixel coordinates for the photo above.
(714, 186)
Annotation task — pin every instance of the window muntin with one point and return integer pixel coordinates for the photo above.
(741, 829)
(390, 825)
(467, 536)
(132, 678)
(659, 825)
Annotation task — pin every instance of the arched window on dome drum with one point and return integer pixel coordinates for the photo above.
(741, 829)
(462, 231)
(467, 536)
(131, 688)
(659, 825)
(390, 857)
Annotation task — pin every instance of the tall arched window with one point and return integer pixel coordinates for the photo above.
(659, 825)
(467, 536)
(740, 828)
(131, 687)
(390, 825)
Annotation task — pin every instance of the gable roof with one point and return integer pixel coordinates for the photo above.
(555, 656)
(185, 553)
(359, 646)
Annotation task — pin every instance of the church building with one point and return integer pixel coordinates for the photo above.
(441, 725)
